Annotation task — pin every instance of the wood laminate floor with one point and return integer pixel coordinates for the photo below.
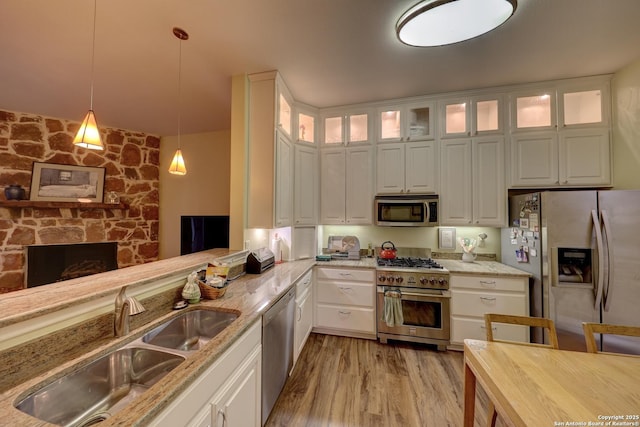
(342, 382)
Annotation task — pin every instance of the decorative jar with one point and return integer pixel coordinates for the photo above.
(14, 192)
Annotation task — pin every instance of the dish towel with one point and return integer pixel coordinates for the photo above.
(393, 308)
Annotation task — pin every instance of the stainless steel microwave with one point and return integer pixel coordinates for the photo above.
(406, 211)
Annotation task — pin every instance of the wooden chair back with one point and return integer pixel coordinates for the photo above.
(590, 329)
(541, 322)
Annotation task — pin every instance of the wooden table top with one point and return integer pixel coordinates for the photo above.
(542, 387)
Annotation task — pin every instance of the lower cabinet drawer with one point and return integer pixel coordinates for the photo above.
(347, 293)
(463, 328)
(347, 318)
(353, 274)
(476, 304)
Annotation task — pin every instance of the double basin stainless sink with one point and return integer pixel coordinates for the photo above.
(96, 391)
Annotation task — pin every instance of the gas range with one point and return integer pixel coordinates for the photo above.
(412, 272)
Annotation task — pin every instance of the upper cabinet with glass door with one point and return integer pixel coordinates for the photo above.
(307, 131)
(344, 128)
(572, 103)
(284, 104)
(471, 116)
(583, 104)
(533, 110)
(409, 122)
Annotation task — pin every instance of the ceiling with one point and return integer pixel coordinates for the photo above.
(329, 52)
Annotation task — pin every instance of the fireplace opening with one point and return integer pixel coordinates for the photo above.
(53, 263)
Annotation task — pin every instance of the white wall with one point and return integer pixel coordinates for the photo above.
(625, 90)
(204, 190)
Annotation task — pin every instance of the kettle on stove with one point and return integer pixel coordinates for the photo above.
(389, 251)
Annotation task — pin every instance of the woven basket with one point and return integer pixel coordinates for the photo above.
(209, 292)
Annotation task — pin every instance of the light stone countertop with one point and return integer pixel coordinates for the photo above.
(251, 295)
(483, 268)
(490, 268)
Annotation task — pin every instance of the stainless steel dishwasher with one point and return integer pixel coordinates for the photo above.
(277, 349)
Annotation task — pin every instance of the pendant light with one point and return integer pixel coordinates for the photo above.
(88, 135)
(177, 166)
(442, 22)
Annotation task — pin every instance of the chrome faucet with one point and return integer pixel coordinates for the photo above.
(125, 306)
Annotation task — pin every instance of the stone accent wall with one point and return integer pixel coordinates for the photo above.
(131, 160)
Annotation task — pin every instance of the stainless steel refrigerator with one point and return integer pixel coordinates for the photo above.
(582, 249)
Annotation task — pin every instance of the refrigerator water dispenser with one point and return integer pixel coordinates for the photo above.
(574, 266)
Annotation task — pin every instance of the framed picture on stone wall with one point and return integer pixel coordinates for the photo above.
(66, 183)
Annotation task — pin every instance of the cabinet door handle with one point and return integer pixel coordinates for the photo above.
(299, 314)
(493, 328)
(344, 313)
(488, 298)
(224, 417)
(346, 274)
(491, 284)
(345, 290)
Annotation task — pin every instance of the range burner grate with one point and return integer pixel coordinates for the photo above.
(409, 262)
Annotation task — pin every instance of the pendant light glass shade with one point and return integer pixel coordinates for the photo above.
(88, 135)
(442, 22)
(177, 164)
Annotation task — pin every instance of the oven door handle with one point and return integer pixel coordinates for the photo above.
(436, 294)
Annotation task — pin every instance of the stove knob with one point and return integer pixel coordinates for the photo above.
(432, 280)
(381, 278)
(442, 281)
(423, 280)
(399, 279)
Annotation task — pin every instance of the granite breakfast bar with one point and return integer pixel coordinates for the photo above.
(249, 295)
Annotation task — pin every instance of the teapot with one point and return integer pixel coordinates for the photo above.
(388, 252)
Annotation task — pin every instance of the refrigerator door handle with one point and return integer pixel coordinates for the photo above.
(608, 286)
(597, 291)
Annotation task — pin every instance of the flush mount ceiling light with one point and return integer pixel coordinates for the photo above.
(177, 166)
(442, 22)
(88, 135)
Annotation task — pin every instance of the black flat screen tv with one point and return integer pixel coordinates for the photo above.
(199, 233)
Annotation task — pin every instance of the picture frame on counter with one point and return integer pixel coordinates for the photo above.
(66, 183)
(446, 238)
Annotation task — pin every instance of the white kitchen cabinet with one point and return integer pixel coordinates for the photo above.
(304, 313)
(534, 158)
(473, 296)
(488, 181)
(344, 127)
(472, 189)
(305, 185)
(230, 388)
(533, 109)
(270, 152)
(406, 122)
(572, 157)
(584, 157)
(346, 185)
(345, 302)
(284, 104)
(471, 116)
(284, 182)
(234, 405)
(407, 168)
(561, 135)
(306, 127)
